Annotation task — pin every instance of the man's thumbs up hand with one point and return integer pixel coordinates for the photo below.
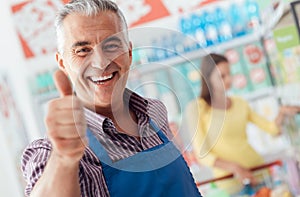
(65, 122)
(62, 83)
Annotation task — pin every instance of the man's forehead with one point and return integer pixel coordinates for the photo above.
(105, 19)
(84, 30)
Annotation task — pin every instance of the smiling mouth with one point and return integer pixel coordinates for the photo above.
(102, 79)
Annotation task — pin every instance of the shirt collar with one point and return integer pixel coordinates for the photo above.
(92, 118)
(137, 103)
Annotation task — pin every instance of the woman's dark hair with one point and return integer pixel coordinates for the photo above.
(208, 64)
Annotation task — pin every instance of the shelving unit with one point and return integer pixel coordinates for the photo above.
(257, 35)
(186, 57)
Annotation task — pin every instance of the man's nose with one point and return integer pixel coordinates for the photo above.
(99, 60)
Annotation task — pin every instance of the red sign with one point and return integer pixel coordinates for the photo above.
(34, 21)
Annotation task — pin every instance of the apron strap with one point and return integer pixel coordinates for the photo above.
(97, 147)
(159, 132)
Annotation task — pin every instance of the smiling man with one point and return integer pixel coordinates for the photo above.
(106, 140)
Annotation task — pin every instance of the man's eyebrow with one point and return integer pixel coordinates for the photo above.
(80, 43)
(84, 43)
(112, 38)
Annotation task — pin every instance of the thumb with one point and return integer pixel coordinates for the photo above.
(62, 83)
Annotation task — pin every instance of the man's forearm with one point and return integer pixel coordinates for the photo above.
(58, 179)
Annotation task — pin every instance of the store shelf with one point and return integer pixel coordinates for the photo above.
(260, 32)
(187, 57)
(261, 93)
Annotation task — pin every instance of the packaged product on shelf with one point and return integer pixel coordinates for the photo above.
(194, 76)
(296, 53)
(136, 59)
(223, 24)
(188, 25)
(198, 29)
(280, 186)
(167, 45)
(275, 63)
(263, 192)
(237, 19)
(210, 28)
(158, 51)
(293, 173)
(256, 66)
(185, 25)
(253, 15)
(42, 83)
(287, 43)
(291, 131)
(240, 78)
(290, 64)
(177, 43)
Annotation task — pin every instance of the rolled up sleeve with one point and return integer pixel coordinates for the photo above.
(33, 162)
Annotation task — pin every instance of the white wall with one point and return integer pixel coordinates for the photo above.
(13, 64)
(9, 176)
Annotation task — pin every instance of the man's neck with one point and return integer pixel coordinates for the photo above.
(122, 116)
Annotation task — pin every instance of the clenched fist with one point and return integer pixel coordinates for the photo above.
(65, 122)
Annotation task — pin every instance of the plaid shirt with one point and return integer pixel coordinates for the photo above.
(118, 145)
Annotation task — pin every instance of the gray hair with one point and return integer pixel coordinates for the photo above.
(86, 8)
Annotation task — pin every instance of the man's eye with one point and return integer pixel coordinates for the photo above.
(111, 47)
(82, 51)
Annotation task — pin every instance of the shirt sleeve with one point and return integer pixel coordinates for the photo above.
(33, 162)
(262, 122)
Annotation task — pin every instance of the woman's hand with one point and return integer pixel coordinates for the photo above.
(242, 174)
(289, 110)
(284, 111)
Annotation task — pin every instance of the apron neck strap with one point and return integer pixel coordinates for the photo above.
(159, 132)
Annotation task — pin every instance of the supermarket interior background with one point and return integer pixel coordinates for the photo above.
(260, 39)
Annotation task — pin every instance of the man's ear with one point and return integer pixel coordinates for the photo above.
(130, 51)
(60, 61)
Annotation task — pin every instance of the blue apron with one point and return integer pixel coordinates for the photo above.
(155, 172)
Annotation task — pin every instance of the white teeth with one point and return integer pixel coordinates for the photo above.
(97, 79)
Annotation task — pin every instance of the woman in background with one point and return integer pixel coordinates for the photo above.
(219, 121)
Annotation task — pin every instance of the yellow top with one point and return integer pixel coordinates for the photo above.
(222, 133)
